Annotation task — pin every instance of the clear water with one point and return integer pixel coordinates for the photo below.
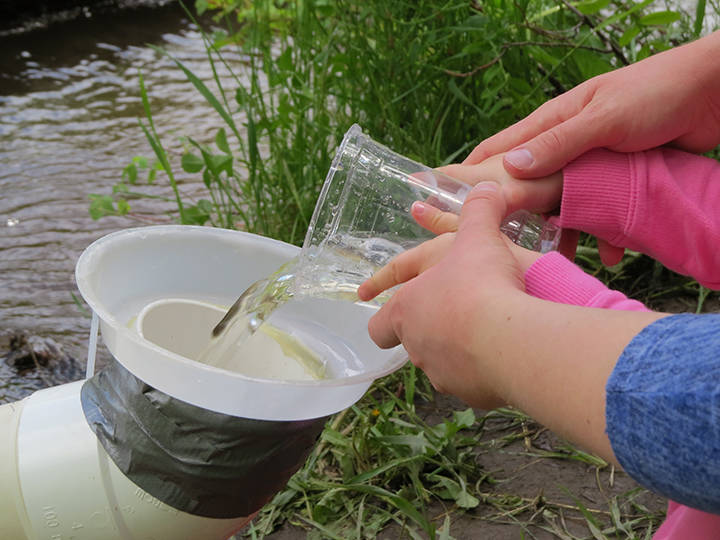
(333, 272)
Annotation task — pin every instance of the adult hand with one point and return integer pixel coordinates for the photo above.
(442, 316)
(672, 97)
(465, 320)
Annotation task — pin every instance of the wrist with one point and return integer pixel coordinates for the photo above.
(703, 55)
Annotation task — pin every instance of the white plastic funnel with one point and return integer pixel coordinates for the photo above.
(123, 272)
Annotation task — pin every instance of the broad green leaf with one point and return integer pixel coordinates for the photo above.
(659, 18)
(120, 187)
(221, 141)
(592, 6)
(628, 35)
(205, 205)
(520, 85)
(192, 163)
(201, 6)
(101, 206)
(194, 215)
(219, 163)
(464, 419)
(417, 443)
(590, 63)
(284, 61)
(542, 56)
(456, 491)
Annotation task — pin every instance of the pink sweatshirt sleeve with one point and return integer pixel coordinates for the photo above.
(552, 277)
(662, 202)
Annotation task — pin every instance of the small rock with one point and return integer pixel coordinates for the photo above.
(29, 352)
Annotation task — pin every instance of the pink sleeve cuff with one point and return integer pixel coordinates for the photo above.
(552, 277)
(598, 194)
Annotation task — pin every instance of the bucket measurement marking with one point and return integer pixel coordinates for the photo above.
(51, 517)
(157, 503)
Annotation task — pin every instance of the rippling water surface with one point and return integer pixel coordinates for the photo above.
(69, 103)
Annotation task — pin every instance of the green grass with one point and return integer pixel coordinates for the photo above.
(429, 78)
(386, 464)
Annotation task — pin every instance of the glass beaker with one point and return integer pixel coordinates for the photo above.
(362, 218)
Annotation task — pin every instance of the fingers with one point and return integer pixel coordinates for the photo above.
(551, 150)
(545, 117)
(568, 243)
(540, 195)
(381, 326)
(405, 266)
(434, 220)
(472, 174)
(483, 211)
(610, 255)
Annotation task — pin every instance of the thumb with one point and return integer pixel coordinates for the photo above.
(483, 210)
(554, 148)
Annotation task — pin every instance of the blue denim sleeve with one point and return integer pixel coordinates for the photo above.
(663, 409)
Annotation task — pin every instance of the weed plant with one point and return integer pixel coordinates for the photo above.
(431, 79)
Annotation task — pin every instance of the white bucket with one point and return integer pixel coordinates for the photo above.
(59, 483)
(120, 274)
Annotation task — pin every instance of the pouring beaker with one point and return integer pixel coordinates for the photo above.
(362, 218)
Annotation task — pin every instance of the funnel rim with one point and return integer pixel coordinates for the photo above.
(396, 361)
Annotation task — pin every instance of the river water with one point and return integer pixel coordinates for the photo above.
(69, 103)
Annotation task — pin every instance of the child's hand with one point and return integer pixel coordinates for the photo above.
(415, 261)
(541, 195)
(467, 322)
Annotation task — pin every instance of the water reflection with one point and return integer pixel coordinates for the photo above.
(69, 103)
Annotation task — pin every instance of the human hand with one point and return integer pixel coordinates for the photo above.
(672, 97)
(457, 288)
(540, 196)
(465, 320)
(413, 262)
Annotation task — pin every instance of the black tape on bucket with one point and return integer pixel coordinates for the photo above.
(198, 461)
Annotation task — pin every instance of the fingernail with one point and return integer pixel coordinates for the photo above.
(520, 158)
(418, 208)
(486, 186)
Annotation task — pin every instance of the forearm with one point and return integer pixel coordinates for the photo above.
(558, 363)
(663, 383)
